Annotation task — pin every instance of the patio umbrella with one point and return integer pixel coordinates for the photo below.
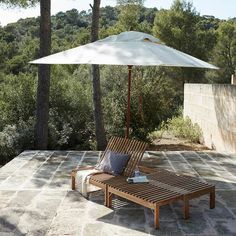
(128, 48)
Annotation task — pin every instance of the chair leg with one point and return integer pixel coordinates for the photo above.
(109, 200)
(106, 193)
(73, 180)
(186, 208)
(212, 198)
(156, 217)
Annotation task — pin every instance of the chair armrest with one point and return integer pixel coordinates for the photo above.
(146, 170)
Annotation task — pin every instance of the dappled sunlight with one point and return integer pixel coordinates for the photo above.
(35, 196)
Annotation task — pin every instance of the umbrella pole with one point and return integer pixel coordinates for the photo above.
(128, 102)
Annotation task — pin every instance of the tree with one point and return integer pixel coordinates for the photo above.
(42, 106)
(129, 14)
(180, 28)
(224, 53)
(21, 3)
(98, 116)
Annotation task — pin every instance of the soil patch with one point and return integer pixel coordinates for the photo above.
(175, 144)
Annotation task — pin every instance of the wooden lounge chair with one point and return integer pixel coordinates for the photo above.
(132, 147)
(164, 187)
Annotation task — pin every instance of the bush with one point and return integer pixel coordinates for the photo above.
(16, 138)
(157, 134)
(180, 127)
(8, 139)
(183, 128)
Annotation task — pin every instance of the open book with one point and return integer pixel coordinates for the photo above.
(138, 179)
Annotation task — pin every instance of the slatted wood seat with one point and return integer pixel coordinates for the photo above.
(163, 188)
(189, 187)
(145, 194)
(132, 147)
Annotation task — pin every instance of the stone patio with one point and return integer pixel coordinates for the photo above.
(35, 197)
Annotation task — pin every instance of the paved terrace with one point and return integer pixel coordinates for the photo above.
(35, 198)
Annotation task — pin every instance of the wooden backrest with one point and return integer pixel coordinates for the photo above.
(132, 147)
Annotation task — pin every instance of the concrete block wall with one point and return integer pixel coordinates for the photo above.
(213, 108)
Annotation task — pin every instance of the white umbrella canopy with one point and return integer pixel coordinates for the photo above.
(128, 48)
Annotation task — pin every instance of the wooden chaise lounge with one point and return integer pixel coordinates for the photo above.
(164, 187)
(132, 147)
(189, 187)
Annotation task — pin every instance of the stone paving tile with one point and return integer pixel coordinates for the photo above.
(220, 183)
(74, 157)
(182, 166)
(92, 154)
(5, 197)
(159, 155)
(34, 222)
(23, 198)
(225, 227)
(9, 218)
(229, 167)
(35, 183)
(13, 181)
(68, 222)
(35, 198)
(229, 197)
(204, 156)
(205, 171)
(221, 211)
(196, 224)
(155, 161)
(175, 157)
(90, 161)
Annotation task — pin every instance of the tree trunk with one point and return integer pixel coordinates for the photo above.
(43, 88)
(98, 116)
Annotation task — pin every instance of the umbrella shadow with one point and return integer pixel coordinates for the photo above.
(8, 227)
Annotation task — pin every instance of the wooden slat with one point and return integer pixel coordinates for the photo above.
(133, 147)
(163, 188)
(143, 191)
(183, 183)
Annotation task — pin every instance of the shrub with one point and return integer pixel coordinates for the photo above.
(157, 134)
(8, 139)
(184, 128)
(16, 138)
(180, 127)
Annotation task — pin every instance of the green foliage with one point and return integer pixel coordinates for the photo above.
(154, 98)
(17, 99)
(129, 14)
(7, 143)
(181, 28)
(156, 134)
(156, 92)
(182, 128)
(15, 138)
(21, 3)
(224, 53)
(71, 117)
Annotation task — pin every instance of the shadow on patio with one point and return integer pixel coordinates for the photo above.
(35, 197)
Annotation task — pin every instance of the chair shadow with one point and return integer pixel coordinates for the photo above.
(132, 216)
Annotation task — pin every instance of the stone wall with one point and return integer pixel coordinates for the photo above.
(213, 108)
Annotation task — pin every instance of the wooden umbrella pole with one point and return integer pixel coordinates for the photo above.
(128, 102)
